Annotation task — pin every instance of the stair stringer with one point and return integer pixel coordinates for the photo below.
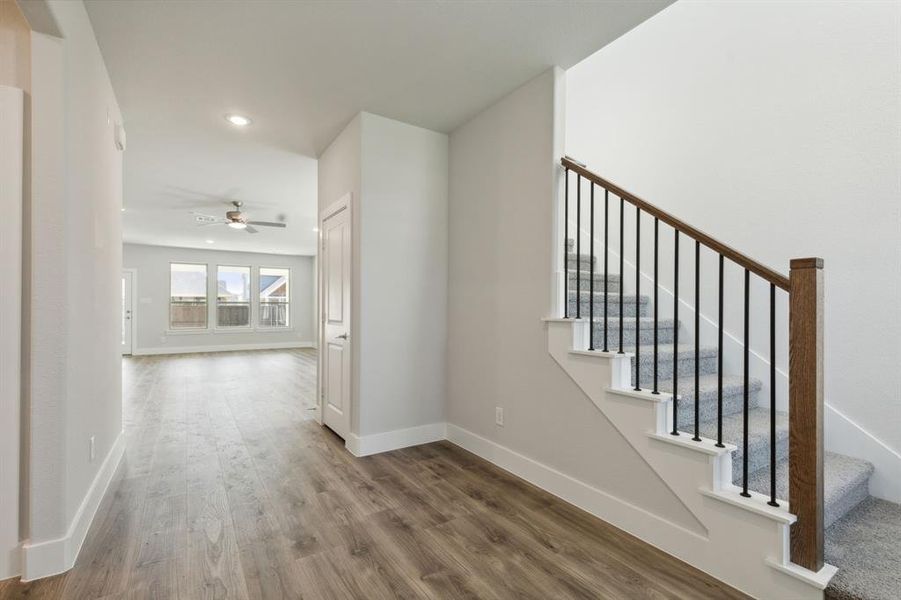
(747, 541)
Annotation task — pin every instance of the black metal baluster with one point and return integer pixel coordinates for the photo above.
(675, 430)
(606, 273)
(591, 272)
(622, 205)
(656, 228)
(566, 245)
(719, 365)
(744, 457)
(697, 436)
(578, 246)
(772, 501)
(637, 292)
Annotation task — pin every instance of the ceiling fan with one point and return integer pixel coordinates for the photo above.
(235, 219)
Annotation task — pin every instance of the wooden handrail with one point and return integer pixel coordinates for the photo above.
(777, 279)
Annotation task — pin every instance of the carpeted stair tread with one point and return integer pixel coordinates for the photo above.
(612, 304)
(733, 395)
(583, 261)
(758, 442)
(845, 483)
(645, 331)
(865, 545)
(585, 280)
(686, 353)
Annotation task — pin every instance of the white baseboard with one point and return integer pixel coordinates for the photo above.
(616, 511)
(847, 437)
(394, 440)
(52, 557)
(221, 348)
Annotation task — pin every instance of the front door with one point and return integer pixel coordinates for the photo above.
(127, 311)
(336, 386)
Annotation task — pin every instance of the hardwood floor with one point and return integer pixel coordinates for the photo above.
(229, 490)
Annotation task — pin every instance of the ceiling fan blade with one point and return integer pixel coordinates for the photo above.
(266, 224)
(250, 229)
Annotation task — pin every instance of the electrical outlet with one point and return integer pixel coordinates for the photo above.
(499, 416)
(92, 448)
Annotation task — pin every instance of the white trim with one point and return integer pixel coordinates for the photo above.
(393, 440)
(222, 348)
(52, 557)
(820, 579)
(619, 513)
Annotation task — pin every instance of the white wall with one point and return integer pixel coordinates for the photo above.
(73, 259)
(12, 132)
(403, 275)
(774, 127)
(340, 174)
(503, 181)
(152, 300)
(397, 174)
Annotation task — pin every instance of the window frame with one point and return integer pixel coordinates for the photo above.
(260, 326)
(250, 312)
(206, 326)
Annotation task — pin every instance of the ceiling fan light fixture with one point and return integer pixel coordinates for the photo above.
(237, 225)
(238, 120)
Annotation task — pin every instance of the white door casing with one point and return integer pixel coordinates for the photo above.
(128, 310)
(335, 343)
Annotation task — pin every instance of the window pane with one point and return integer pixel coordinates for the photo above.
(234, 284)
(233, 297)
(187, 296)
(274, 296)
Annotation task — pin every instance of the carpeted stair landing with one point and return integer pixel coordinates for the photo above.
(866, 546)
(863, 535)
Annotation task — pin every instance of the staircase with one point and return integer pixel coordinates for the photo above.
(756, 437)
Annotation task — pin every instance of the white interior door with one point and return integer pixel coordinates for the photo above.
(336, 384)
(128, 311)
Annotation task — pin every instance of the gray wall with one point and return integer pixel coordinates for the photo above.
(152, 299)
(397, 174)
(73, 257)
(503, 176)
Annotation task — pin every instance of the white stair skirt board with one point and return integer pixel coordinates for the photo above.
(848, 438)
(376, 443)
(52, 557)
(747, 541)
(221, 348)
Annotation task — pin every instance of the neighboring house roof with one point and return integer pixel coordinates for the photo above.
(273, 286)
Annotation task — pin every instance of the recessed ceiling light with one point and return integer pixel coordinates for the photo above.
(237, 225)
(238, 120)
(210, 241)
(315, 229)
(123, 209)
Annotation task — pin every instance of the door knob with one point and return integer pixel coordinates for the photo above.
(343, 336)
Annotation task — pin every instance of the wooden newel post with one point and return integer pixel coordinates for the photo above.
(805, 391)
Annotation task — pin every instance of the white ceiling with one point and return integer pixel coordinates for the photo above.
(301, 70)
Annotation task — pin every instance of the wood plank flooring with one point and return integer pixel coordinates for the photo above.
(229, 490)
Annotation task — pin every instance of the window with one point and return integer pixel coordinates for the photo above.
(233, 297)
(274, 297)
(187, 296)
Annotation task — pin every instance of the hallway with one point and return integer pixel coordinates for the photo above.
(229, 489)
